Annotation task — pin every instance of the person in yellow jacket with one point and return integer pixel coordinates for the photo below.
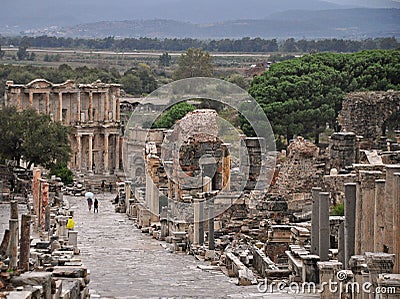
(70, 223)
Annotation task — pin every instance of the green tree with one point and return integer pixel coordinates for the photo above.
(22, 53)
(62, 171)
(164, 60)
(2, 53)
(301, 96)
(23, 138)
(194, 63)
(176, 112)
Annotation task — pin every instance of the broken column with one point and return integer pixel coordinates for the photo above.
(349, 220)
(396, 223)
(324, 232)
(315, 221)
(13, 245)
(379, 221)
(226, 167)
(365, 211)
(24, 249)
(358, 267)
(197, 220)
(389, 195)
(343, 149)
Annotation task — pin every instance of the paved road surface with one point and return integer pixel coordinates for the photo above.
(126, 263)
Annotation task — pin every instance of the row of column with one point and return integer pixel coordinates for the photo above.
(90, 148)
(372, 214)
(106, 100)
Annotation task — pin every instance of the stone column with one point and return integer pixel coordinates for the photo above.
(117, 108)
(201, 224)
(378, 263)
(211, 241)
(315, 221)
(31, 98)
(90, 158)
(365, 211)
(155, 200)
(25, 242)
(396, 222)
(389, 196)
(226, 167)
(79, 153)
(197, 221)
(341, 253)
(107, 99)
(14, 209)
(379, 217)
(48, 102)
(117, 152)
(324, 231)
(106, 152)
(350, 195)
(60, 105)
(90, 106)
(13, 245)
(79, 105)
(47, 218)
(114, 109)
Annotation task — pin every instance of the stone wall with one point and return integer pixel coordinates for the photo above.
(364, 113)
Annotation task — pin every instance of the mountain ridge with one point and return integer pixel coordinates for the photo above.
(352, 23)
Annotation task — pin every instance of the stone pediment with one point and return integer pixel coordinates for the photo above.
(69, 84)
(39, 84)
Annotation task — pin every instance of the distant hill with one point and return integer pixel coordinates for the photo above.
(27, 14)
(357, 23)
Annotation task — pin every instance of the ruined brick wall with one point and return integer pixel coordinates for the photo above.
(364, 113)
(299, 172)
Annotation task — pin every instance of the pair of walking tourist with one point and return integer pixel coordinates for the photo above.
(95, 204)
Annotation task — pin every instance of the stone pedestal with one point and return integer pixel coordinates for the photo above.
(62, 231)
(310, 272)
(349, 220)
(73, 238)
(358, 266)
(390, 283)
(327, 277)
(378, 263)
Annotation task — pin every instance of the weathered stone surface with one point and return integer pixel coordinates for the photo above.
(34, 278)
(73, 272)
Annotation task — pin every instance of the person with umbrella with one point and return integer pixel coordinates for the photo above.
(89, 196)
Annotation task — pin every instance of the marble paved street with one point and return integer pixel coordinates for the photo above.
(125, 263)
